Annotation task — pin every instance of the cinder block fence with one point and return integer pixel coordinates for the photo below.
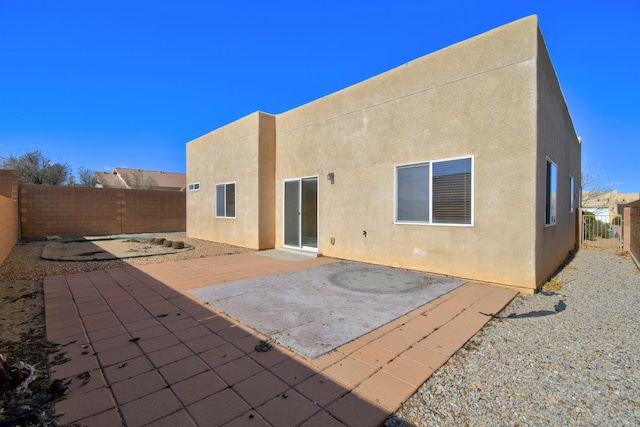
(8, 226)
(632, 227)
(80, 211)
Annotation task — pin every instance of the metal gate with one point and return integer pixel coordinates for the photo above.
(601, 231)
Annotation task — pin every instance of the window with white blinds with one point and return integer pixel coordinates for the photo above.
(451, 184)
(226, 200)
(438, 192)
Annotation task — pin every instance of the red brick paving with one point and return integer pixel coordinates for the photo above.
(159, 357)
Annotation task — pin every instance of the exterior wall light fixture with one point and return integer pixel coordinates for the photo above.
(330, 177)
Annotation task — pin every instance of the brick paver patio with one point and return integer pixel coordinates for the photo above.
(159, 357)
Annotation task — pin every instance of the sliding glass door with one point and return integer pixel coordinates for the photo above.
(301, 213)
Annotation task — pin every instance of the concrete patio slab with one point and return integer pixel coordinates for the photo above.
(180, 362)
(315, 310)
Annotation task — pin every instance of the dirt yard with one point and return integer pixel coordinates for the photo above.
(109, 249)
(22, 311)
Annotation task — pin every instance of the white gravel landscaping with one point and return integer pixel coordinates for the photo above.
(564, 358)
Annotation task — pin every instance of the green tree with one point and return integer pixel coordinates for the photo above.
(33, 167)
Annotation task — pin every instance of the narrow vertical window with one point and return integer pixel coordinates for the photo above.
(413, 193)
(226, 200)
(230, 202)
(452, 192)
(551, 192)
(572, 195)
(220, 200)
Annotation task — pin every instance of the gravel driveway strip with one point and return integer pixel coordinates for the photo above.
(564, 358)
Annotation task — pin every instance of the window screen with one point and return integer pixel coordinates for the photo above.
(220, 200)
(226, 200)
(413, 193)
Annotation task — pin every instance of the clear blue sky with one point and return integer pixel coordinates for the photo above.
(102, 84)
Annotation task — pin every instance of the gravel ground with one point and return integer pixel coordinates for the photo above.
(569, 356)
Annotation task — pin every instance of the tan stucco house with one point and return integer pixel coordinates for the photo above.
(606, 205)
(464, 162)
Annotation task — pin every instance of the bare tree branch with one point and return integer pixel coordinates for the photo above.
(138, 180)
(35, 168)
(86, 178)
(595, 192)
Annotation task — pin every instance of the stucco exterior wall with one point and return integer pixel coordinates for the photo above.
(557, 140)
(493, 98)
(612, 200)
(241, 152)
(476, 98)
(267, 183)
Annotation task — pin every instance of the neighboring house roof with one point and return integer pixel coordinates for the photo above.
(139, 178)
(109, 180)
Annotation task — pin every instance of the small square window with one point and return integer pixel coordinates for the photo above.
(194, 187)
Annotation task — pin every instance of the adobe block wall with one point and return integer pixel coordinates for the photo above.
(8, 226)
(634, 246)
(146, 211)
(81, 211)
(8, 182)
